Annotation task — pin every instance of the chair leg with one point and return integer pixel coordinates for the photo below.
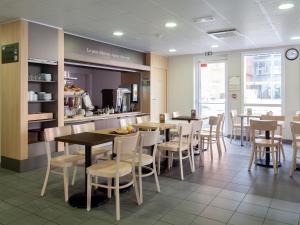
(117, 195)
(274, 159)
(158, 162)
(251, 157)
(181, 167)
(74, 175)
(135, 186)
(219, 146)
(190, 161)
(66, 183)
(293, 164)
(156, 177)
(201, 158)
(282, 151)
(231, 136)
(224, 144)
(140, 184)
(89, 193)
(45, 181)
(210, 148)
(109, 183)
(191, 152)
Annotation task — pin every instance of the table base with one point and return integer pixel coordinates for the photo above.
(263, 163)
(79, 200)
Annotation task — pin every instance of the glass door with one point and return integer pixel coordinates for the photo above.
(212, 80)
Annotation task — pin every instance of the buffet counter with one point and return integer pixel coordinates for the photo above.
(102, 117)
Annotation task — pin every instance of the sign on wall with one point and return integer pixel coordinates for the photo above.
(81, 47)
(10, 53)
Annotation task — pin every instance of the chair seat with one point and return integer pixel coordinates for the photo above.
(96, 150)
(172, 146)
(265, 142)
(207, 133)
(146, 159)
(67, 160)
(108, 168)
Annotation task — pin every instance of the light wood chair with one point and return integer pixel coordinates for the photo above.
(236, 126)
(142, 119)
(124, 122)
(148, 139)
(210, 136)
(279, 131)
(220, 135)
(178, 147)
(295, 128)
(123, 165)
(175, 114)
(196, 141)
(63, 162)
(261, 143)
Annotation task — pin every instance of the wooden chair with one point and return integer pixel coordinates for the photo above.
(142, 119)
(279, 135)
(220, 134)
(148, 139)
(295, 128)
(236, 126)
(63, 162)
(179, 147)
(261, 143)
(175, 114)
(123, 165)
(210, 136)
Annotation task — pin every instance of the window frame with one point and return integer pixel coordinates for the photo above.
(243, 83)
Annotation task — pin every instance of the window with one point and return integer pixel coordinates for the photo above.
(263, 82)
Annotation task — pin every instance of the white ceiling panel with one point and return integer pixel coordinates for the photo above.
(260, 22)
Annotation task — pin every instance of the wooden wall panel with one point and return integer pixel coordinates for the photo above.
(14, 85)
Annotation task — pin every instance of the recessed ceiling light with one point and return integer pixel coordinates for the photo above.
(286, 6)
(172, 50)
(214, 46)
(295, 38)
(171, 24)
(205, 19)
(118, 33)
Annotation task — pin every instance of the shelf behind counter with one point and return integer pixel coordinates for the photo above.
(102, 117)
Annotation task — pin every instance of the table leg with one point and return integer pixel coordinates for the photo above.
(79, 200)
(242, 131)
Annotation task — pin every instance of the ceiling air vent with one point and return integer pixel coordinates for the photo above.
(221, 34)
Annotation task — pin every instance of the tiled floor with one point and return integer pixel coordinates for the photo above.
(221, 192)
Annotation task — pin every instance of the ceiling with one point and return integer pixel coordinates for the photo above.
(260, 22)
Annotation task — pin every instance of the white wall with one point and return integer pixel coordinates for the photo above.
(181, 87)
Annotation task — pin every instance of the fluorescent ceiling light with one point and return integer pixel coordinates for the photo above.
(172, 50)
(214, 46)
(286, 6)
(171, 24)
(295, 38)
(118, 33)
(205, 19)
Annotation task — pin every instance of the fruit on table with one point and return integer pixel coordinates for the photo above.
(130, 128)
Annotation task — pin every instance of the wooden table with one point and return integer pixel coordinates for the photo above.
(153, 125)
(242, 116)
(187, 118)
(89, 140)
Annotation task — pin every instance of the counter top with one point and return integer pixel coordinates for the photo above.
(102, 117)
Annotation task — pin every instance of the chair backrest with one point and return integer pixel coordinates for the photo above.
(85, 127)
(148, 139)
(51, 133)
(263, 125)
(126, 147)
(295, 128)
(175, 114)
(233, 116)
(168, 116)
(142, 119)
(196, 131)
(276, 118)
(185, 133)
(296, 118)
